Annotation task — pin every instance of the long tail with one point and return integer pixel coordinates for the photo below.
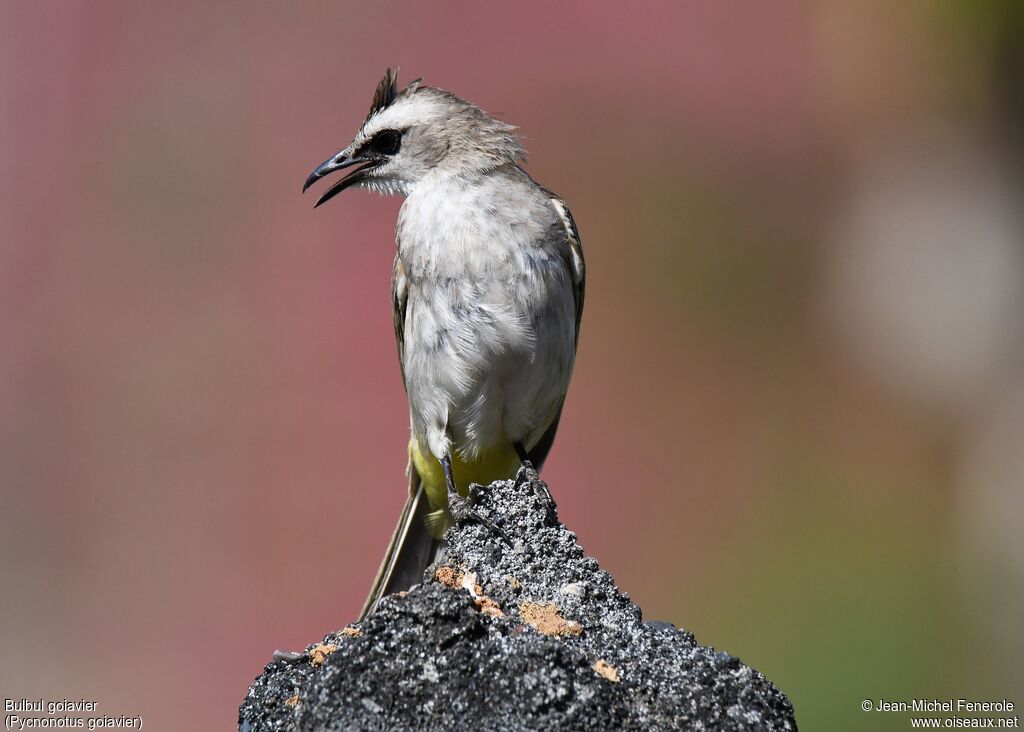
(411, 551)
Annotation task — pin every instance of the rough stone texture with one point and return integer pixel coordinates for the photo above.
(456, 652)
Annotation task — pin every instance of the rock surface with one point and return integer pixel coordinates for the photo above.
(533, 636)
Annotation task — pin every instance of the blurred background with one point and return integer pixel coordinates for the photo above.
(797, 422)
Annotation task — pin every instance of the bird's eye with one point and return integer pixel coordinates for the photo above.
(386, 142)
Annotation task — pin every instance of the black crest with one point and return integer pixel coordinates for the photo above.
(387, 92)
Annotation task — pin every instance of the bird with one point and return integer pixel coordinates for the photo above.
(487, 293)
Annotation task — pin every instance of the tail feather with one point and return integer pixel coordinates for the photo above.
(412, 549)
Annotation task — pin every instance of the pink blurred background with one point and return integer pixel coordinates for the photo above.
(798, 411)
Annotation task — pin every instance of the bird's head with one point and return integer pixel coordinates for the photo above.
(414, 134)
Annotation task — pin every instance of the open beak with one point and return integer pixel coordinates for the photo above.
(338, 162)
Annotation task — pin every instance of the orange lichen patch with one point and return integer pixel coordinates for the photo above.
(292, 700)
(402, 593)
(488, 606)
(458, 579)
(607, 670)
(483, 603)
(319, 653)
(449, 576)
(351, 632)
(547, 620)
(514, 583)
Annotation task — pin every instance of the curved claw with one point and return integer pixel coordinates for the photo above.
(462, 511)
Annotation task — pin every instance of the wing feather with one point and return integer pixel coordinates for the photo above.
(578, 271)
(574, 258)
(399, 303)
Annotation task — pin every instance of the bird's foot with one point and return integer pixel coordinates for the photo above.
(462, 511)
(540, 489)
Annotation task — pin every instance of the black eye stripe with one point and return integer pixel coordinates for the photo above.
(386, 142)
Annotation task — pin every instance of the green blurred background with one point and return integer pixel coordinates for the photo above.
(797, 422)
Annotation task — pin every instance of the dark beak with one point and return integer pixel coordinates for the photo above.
(338, 162)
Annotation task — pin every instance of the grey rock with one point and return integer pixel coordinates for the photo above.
(438, 658)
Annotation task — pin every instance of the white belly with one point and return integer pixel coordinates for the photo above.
(489, 329)
(483, 367)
